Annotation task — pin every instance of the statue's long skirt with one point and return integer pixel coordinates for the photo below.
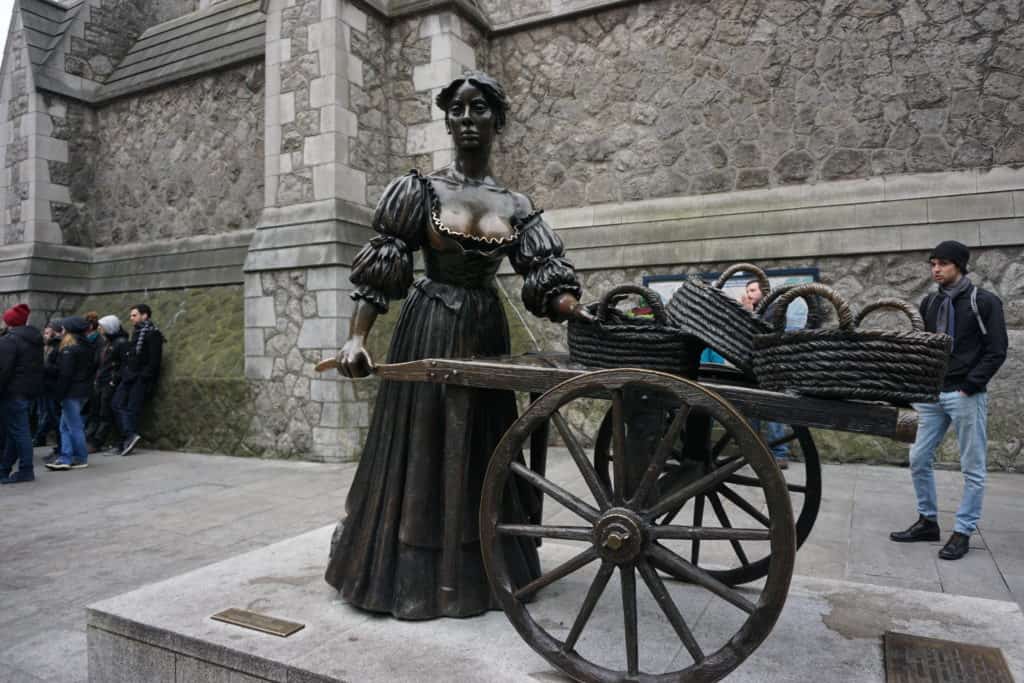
(388, 552)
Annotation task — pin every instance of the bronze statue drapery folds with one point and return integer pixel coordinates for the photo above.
(388, 552)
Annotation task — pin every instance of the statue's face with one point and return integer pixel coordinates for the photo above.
(471, 120)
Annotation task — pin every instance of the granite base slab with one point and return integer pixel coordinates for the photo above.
(162, 633)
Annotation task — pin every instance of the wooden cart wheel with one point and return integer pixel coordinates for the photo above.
(740, 490)
(619, 528)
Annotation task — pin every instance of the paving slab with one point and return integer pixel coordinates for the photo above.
(836, 626)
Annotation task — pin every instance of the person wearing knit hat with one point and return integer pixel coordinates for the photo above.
(76, 370)
(17, 316)
(973, 317)
(21, 378)
(113, 341)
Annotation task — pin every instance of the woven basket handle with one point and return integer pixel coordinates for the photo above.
(762, 279)
(843, 311)
(649, 296)
(916, 323)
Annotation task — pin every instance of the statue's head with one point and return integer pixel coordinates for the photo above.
(474, 105)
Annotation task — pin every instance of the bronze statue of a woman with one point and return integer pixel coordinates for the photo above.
(388, 551)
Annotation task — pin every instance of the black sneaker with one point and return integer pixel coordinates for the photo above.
(58, 466)
(923, 529)
(78, 465)
(130, 443)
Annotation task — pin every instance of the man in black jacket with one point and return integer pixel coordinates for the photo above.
(139, 369)
(973, 317)
(21, 377)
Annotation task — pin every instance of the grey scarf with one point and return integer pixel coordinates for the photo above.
(946, 320)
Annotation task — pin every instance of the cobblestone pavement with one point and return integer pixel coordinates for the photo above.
(73, 538)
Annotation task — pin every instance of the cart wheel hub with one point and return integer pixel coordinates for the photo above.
(619, 536)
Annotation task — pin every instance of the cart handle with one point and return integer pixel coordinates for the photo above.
(762, 278)
(648, 295)
(846, 321)
(916, 323)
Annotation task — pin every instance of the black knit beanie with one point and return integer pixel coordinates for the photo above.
(954, 252)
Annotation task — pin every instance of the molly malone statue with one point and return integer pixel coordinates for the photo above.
(387, 553)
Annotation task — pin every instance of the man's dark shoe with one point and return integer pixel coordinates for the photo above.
(58, 466)
(130, 443)
(956, 547)
(923, 529)
(19, 477)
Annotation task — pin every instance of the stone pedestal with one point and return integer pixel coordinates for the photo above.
(163, 633)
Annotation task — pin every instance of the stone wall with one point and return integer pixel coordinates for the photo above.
(110, 29)
(668, 98)
(182, 161)
(202, 402)
(863, 280)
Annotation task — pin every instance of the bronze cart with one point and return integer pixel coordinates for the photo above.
(684, 442)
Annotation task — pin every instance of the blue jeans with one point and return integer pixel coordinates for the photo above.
(969, 416)
(72, 432)
(18, 437)
(772, 432)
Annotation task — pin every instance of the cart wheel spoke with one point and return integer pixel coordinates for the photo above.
(587, 470)
(668, 606)
(557, 492)
(785, 438)
(559, 572)
(728, 461)
(618, 447)
(629, 616)
(743, 480)
(697, 534)
(744, 504)
(661, 455)
(708, 482)
(667, 561)
(721, 444)
(567, 533)
(698, 521)
(597, 587)
(723, 519)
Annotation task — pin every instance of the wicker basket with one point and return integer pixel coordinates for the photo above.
(849, 363)
(817, 314)
(617, 341)
(720, 322)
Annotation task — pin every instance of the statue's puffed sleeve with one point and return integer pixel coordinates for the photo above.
(383, 268)
(547, 274)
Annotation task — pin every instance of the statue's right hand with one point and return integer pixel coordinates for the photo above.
(354, 360)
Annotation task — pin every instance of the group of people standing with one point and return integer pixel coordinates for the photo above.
(83, 377)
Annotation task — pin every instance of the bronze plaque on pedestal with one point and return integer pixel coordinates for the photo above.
(258, 622)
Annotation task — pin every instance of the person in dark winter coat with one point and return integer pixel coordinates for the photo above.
(139, 367)
(76, 371)
(973, 317)
(113, 341)
(47, 405)
(21, 378)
